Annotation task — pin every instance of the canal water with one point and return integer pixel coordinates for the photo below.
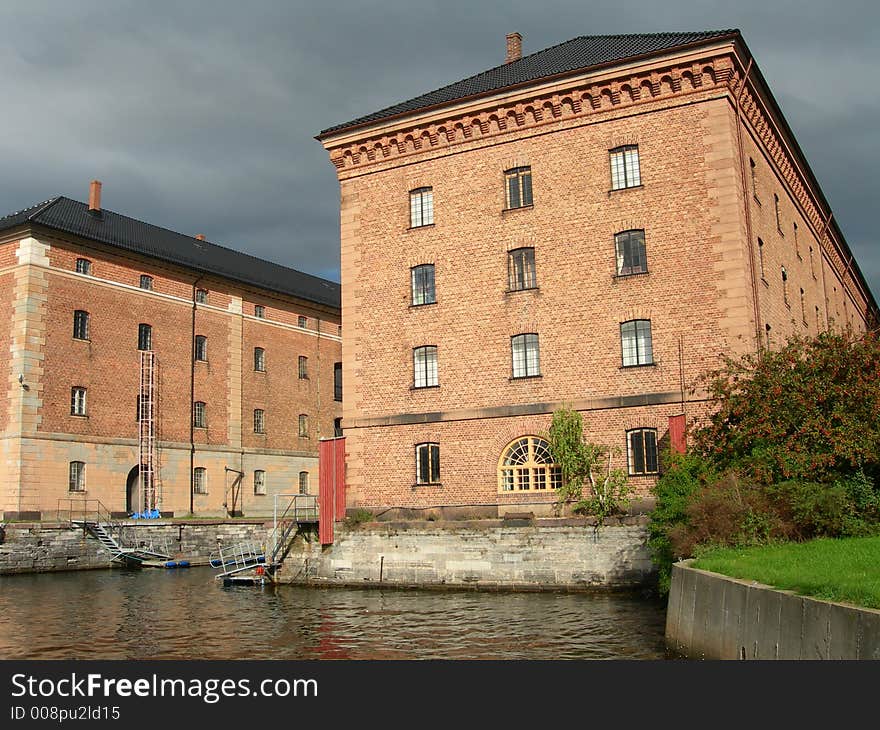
(186, 614)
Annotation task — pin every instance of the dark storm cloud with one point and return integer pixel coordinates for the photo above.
(200, 116)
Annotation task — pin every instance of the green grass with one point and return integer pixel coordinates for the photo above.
(844, 570)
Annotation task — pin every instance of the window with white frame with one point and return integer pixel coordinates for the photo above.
(303, 482)
(200, 480)
(259, 482)
(202, 296)
(524, 355)
(518, 187)
(427, 463)
(259, 311)
(630, 248)
(200, 419)
(83, 266)
(146, 282)
(421, 207)
(77, 401)
(636, 344)
(259, 420)
(641, 448)
(77, 480)
(303, 367)
(625, 172)
(521, 269)
(425, 366)
(302, 321)
(80, 325)
(422, 284)
(526, 465)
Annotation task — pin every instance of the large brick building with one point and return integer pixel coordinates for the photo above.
(148, 369)
(592, 225)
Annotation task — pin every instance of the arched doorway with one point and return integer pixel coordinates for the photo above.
(132, 492)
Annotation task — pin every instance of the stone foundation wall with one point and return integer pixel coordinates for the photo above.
(523, 554)
(44, 547)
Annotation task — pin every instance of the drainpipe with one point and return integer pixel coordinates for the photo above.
(192, 397)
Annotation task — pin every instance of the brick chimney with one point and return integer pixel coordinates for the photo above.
(514, 47)
(200, 237)
(95, 196)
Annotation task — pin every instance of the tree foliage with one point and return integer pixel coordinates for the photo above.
(808, 411)
(791, 451)
(584, 464)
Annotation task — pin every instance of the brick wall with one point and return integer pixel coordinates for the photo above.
(107, 365)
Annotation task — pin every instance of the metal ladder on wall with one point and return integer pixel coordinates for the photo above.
(149, 498)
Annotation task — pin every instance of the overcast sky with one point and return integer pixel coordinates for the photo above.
(201, 116)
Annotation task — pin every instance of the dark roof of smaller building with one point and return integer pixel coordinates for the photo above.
(72, 217)
(578, 54)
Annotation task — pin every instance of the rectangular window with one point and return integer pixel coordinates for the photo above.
(202, 296)
(425, 366)
(77, 401)
(776, 208)
(259, 482)
(77, 482)
(259, 360)
(518, 187)
(145, 337)
(635, 338)
(754, 180)
(259, 311)
(642, 451)
(302, 321)
(524, 353)
(80, 325)
(146, 282)
(521, 269)
(427, 463)
(83, 266)
(201, 348)
(761, 258)
(303, 425)
(421, 207)
(625, 172)
(200, 480)
(812, 270)
(422, 278)
(337, 381)
(337, 427)
(259, 420)
(199, 415)
(631, 258)
(303, 364)
(303, 482)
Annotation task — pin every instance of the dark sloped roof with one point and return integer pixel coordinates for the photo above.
(577, 54)
(71, 216)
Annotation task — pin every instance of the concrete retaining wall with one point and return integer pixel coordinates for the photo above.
(711, 616)
(527, 554)
(44, 547)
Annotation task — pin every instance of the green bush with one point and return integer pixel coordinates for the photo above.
(683, 475)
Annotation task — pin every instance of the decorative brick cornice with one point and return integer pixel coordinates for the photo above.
(767, 133)
(582, 100)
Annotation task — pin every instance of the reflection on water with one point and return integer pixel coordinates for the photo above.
(185, 614)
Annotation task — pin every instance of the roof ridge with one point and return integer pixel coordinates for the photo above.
(48, 204)
(37, 208)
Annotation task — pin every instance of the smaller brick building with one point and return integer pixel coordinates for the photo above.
(135, 349)
(594, 226)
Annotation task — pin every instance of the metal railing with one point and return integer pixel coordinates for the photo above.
(80, 509)
(299, 509)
